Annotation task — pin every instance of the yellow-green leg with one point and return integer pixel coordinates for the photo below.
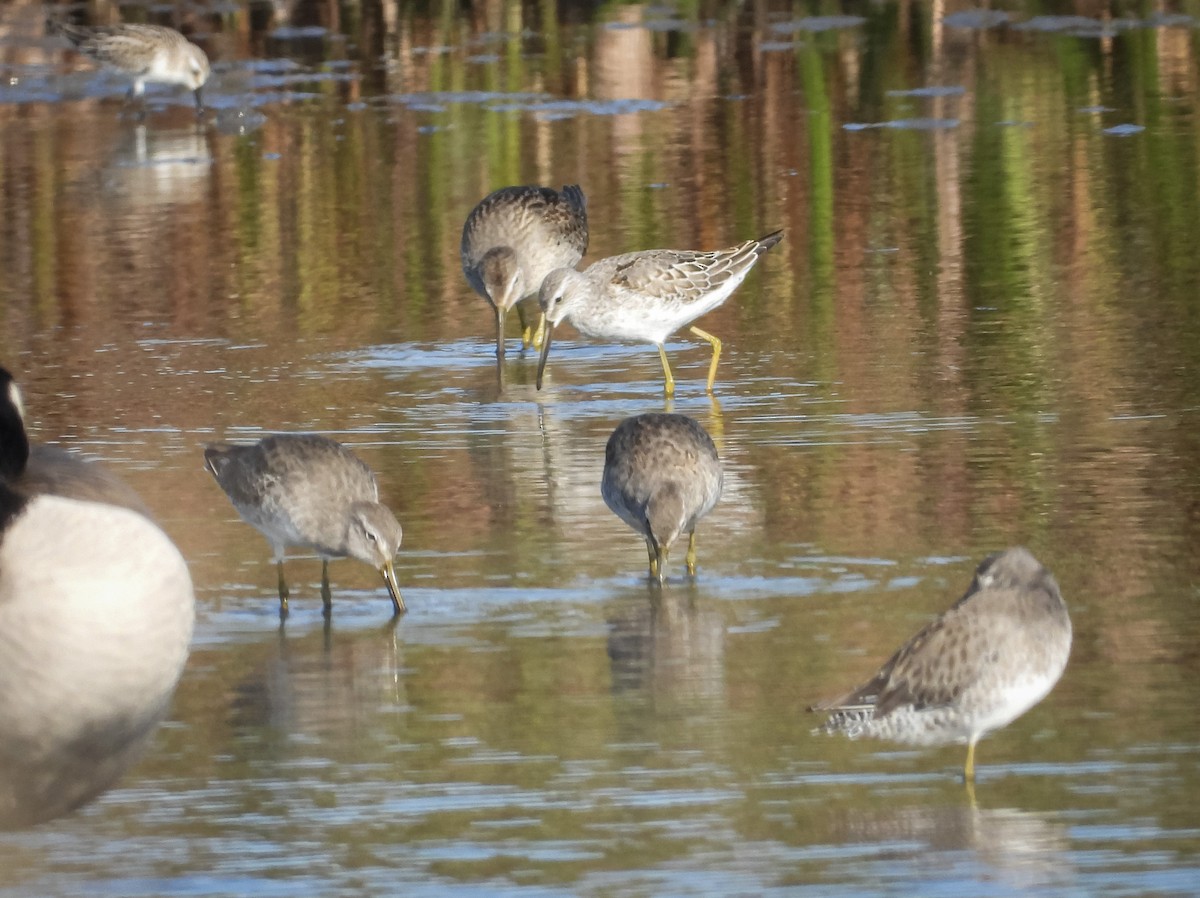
(716, 345)
(653, 560)
(283, 590)
(970, 786)
(969, 770)
(691, 555)
(662, 354)
(661, 564)
(529, 336)
(539, 335)
(326, 594)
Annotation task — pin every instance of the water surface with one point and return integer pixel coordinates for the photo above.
(981, 329)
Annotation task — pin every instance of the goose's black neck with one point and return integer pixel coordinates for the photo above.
(12, 504)
(14, 442)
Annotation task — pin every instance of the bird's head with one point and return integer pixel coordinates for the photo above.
(374, 537)
(502, 277)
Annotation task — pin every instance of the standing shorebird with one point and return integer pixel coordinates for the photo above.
(142, 53)
(513, 239)
(992, 656)
(647, 296)
(308, 490)
(96, 613)
(661, 476)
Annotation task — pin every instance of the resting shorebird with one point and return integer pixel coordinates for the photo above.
(992, 656)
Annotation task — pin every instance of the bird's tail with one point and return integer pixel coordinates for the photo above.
(74, 33)
(762, 244)
(574, 195)
(216, 456)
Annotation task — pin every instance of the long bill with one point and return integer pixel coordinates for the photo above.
(199, 102)
(501, 316)
(393, 588)
(545, 354)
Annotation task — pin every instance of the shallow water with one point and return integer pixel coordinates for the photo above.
(981, 329)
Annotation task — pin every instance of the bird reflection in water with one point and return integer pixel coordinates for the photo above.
(1020, 849)
(670, 648)
(323, 683)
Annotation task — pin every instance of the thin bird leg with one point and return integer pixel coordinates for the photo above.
(540, 334)
(716, 345)
(969, 769)
(326, 595)
(283, 590)
(529, 336)
(526, 327)
(691, 555)
(662, 354)
(136, 99)
(653, 559)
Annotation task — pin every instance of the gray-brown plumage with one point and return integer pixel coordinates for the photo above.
(141, 53)
(58, 472)
(513, 239)
(646, 296)
(661, 476)
(992, 656)
(311, 491)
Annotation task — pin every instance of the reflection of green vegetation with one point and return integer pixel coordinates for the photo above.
(251, 210)
(1010, 301)
(1005, 245)
(641, 221)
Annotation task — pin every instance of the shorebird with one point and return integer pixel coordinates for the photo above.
(992, 656)
(513, 239)
(142, 53)
(96, 613)
(661, 476)
(308, 490)
(647, 296)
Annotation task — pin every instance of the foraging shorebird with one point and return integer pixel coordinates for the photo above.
(661, 476)
(646, 296)
(142, 53)
(513, 238)
(308, 490)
